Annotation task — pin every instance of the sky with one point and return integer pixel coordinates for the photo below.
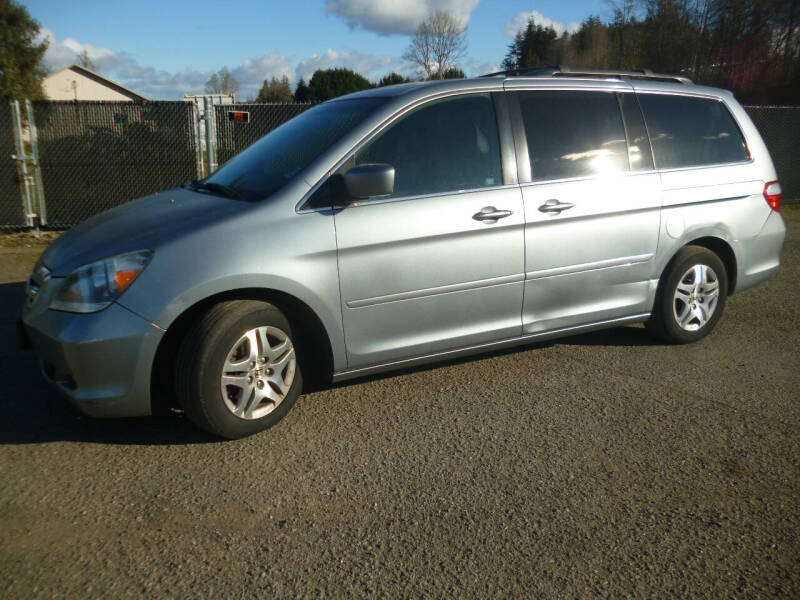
(164, 49)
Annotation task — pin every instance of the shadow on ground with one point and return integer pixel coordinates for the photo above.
(33, 412)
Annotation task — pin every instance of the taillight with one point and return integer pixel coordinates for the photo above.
(772, 194)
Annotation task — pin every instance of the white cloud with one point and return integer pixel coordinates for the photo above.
(521, 21)
(387, 17)
(476, 68)
(253, 71)
(122, 67)
(370, 66)
(159, 84)
(63, 53)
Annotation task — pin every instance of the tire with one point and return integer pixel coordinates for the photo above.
(688, 313)
(218, 357)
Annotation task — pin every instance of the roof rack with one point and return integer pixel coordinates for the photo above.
(564, 71)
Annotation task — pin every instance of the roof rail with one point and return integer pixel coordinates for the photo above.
(565, 71)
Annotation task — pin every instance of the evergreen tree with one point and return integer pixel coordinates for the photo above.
(392, 79)
(275, 91)
(21, 69)
(301, 92)
(532, 47)
(331, 83)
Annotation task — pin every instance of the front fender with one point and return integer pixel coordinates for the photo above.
(270, 250)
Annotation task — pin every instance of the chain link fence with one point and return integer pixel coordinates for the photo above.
(233, 136)
(11, 213)
(97, 155)
(780, 128)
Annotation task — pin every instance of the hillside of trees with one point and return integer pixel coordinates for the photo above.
(751, 47)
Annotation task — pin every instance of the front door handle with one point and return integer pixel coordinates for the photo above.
(554, 207)
(489, 214)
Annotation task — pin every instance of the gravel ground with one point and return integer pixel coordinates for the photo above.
(604, 464)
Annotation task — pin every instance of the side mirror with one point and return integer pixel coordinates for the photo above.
(366, 181)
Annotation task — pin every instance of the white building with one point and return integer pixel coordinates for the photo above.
(79, 83)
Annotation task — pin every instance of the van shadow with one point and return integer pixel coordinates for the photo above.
(33, 412)
(623, 336)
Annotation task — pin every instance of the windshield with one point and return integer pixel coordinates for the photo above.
(272, 161)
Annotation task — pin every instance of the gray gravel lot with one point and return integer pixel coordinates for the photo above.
(604, 464)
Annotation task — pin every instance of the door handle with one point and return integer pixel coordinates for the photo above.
(489, 214)
(554, 207)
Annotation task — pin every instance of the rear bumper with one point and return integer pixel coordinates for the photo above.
(101, 361)
(759, 256)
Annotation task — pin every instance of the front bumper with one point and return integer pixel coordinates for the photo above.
(101, 361)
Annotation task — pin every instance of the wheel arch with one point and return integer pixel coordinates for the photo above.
(721, 248)
(313, 339)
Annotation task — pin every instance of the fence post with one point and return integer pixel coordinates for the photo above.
(22, 167)
(211, 133)
(37, 171)
(198, 143)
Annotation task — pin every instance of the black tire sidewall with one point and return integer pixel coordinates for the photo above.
(216, 417)
(683, 261)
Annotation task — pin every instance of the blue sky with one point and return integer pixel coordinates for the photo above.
(166, 48)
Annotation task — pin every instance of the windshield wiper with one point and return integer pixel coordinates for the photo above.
(211, 186)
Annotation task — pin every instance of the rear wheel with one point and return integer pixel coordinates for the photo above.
(237, 371)
(691, 296)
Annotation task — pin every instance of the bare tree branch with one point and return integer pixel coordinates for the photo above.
(438, 44)
(222, 82)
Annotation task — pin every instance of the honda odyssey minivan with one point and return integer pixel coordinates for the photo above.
(410, 224)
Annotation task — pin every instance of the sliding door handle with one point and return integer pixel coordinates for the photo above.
(554, 207)
(489, 214)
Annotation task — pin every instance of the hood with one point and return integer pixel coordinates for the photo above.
(141, 224)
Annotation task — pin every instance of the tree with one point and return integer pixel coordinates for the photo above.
(301, 92)
(84, 60)
(331, 83)
(222, 82)
(589, 46)
(533, 46)
(392, 79)
(621, 28)
(439, 43)
(276, 91)
(21, 69)
(452, 73)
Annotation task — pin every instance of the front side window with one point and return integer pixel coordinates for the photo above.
(272, 161)
(445, 146)
(573, 134)
(687, 131)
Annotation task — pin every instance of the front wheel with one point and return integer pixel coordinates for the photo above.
(691, 296)
(237, 371)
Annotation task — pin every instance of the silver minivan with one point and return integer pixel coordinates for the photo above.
(410, 224)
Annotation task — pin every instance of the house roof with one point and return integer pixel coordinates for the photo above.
(104, 81)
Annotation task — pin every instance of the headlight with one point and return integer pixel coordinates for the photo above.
(94, 286)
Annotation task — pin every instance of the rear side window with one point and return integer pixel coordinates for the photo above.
(691, 132)
(444, 146)
(573, 134)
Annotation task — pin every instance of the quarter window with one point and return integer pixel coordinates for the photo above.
(639, 153)
(687, 131)
(447, 145)
(573, 134)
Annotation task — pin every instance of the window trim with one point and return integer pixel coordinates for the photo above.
(721, 101)
(587, 178)
(370, 202)
(388, 122)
